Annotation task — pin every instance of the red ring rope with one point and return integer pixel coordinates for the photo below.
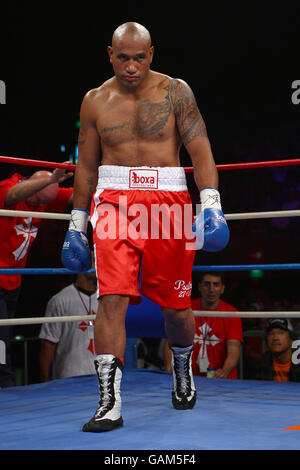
(26, 161)
(244, 166)
(230, 166)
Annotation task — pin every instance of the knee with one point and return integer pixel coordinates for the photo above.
(112, 307)
(177, 316)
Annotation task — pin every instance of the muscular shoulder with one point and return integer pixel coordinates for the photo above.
(98, 93)
(95, 96)
(175, 85)
(180, 91)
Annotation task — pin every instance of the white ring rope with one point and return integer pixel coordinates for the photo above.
(262, 215)
(238, 216)
(209, 313)
(36, 215)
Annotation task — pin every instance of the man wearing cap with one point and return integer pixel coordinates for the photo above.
(276, 363)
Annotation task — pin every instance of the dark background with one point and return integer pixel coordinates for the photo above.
(240, 63)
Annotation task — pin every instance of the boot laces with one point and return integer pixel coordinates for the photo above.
(181, 366)
(105, 388)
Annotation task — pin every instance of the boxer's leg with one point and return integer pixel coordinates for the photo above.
(167, 281)
(179, 326)
(109, 328)
(180, 330)
(110, 343)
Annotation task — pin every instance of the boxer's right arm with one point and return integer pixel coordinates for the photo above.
(89, 151)
(76, 254)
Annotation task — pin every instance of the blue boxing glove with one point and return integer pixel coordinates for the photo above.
(210, 227)
(76, 254)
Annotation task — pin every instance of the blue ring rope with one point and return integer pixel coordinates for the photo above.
(236, 267)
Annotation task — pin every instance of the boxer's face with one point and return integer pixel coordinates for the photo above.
(131, 59)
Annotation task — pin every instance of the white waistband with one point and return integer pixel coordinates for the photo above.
(142, 178)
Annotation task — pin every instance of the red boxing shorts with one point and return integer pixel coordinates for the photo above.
(142, 231)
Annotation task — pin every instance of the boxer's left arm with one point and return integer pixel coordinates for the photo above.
(210, 226)
(193, 133)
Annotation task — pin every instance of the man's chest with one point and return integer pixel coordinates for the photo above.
(122, 120)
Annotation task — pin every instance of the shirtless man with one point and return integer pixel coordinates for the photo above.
(135, 124)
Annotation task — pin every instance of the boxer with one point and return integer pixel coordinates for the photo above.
(132, 128)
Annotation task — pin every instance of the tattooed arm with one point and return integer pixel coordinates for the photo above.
(192, 130)
(89, 150)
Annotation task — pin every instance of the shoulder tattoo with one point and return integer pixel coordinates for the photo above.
(189, 120)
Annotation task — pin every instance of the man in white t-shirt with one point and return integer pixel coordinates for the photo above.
(67, 348)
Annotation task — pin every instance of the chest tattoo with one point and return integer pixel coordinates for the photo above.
(145, 122)
(152, 117)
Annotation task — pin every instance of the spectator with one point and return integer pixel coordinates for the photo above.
(39, 193)
(217, 339)
(67, 348)
(276, 363)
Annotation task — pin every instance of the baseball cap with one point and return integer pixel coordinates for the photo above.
(281, 323)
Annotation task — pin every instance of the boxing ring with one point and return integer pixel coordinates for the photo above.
(228, 415)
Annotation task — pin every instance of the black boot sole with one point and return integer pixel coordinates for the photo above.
(183, 404)
(103, 425)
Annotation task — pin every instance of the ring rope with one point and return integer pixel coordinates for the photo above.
(237, 216)
(249, 267)
(229, 267)
(249, 165)
(197, 313)
(30, 162)
(230, 166)
(35, 215)
(262, 215)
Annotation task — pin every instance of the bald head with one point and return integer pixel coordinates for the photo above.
(45, 195)
(131, 55)
(131, 30)
(40, 174)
